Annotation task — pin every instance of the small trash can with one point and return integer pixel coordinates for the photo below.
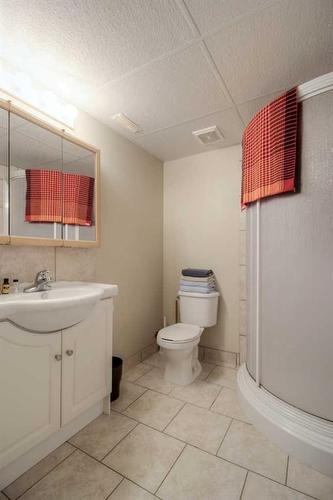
(117, 370)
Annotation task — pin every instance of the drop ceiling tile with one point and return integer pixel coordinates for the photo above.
(93, 41)
(210, 15)
(169, 91)
(250, 108)
(278, 47)
(177, 142)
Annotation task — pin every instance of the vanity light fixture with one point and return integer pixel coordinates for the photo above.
(125, 122)
(16, 85)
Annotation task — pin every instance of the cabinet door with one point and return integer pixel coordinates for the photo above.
(86, 366)
(29, 389)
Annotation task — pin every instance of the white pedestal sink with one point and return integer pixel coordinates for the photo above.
(64, 305)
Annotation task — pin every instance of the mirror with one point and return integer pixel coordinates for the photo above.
(35, 160)
(79, 193)
(52, 179)
(4, 116)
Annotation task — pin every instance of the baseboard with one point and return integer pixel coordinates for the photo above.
(218, 356)
(140, 356)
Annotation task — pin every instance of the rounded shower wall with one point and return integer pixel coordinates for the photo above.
(289, 365)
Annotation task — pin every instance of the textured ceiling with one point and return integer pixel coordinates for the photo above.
(172, 66)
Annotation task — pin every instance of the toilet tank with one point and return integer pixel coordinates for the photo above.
(198, 308)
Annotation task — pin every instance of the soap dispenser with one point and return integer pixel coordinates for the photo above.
(5, 289)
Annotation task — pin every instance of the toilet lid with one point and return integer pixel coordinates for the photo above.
(180, 332)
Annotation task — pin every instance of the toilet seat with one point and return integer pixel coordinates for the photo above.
(180, 333)
(180, 349)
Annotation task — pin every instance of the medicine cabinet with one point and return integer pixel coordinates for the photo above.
(49, 184)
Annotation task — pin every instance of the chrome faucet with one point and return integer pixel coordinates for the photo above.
(41, 283)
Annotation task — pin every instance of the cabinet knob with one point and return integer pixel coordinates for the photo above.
(69, 352)
(58, 357)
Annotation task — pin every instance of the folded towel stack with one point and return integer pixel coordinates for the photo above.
(197, 280)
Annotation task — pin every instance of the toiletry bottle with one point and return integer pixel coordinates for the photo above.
(5, 289)
(15, 285)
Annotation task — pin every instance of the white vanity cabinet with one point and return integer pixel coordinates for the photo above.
(86, 363)
(29, 390)
(52, 384)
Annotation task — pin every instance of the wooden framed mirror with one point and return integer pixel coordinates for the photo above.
(49, 184)
(4, 177)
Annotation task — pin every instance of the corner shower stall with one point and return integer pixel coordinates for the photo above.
(286, 384)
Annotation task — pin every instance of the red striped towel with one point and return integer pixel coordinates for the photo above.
(78, 199)
(43, 201)
(52, 196)
(269, 150)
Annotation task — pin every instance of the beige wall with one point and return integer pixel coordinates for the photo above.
(201, 229)
(64, 263)
(132, 234)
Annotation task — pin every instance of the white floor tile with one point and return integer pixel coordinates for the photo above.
(128, 393)
(137, 371)
(77, 477)
(309, 481)
(145, 456)
(245, 446)
(224, 376)
(199, 427)
(156, 360)
(206, 369)
(154, 380)
(199, 393)
(200, 476)
(227, 403)
(102, 434)
(38, 471)
(154, 409)
(130, 491)
(261, 488)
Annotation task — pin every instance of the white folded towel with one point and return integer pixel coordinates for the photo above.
(196, 289)
(209, 279)
(195, 284)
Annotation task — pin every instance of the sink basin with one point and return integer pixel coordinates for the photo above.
(64, 305)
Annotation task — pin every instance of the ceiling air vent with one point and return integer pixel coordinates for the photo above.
(208, 135)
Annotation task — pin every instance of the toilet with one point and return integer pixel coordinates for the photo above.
(180, 341)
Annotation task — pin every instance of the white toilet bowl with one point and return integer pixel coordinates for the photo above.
(180, 341)
(180, 348)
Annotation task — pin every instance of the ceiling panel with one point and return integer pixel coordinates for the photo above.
(279, 47)
(177, 142)
(210, 15)
(178, 88)
(139, 57)
(250, 108)
(93, 41)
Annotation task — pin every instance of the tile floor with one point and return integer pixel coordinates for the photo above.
(174, 443)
